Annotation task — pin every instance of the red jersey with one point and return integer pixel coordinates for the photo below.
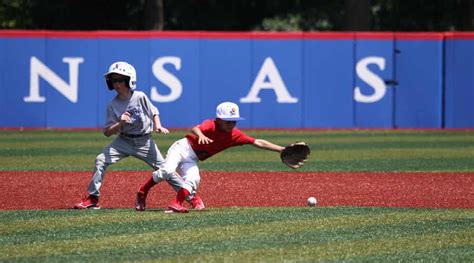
(221, 140)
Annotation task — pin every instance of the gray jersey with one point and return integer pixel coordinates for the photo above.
(142, 146)
(140, 109)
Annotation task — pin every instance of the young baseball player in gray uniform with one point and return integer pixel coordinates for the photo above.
(131, 115)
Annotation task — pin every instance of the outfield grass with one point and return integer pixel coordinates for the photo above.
(346, 150)
(239, 235)
(278, 234)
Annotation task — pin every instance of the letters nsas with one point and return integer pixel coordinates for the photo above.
(268, 77)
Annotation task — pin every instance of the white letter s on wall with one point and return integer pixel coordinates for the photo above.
(370, 78)
(171, 81)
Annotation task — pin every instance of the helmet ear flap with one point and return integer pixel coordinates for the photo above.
(132, 83)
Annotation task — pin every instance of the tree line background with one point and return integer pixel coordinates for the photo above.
(239, 15)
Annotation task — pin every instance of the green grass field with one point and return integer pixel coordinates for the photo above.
(359, 150)
(237, 234)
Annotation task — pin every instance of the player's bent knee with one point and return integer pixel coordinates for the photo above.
(158, 176)
(165, 172)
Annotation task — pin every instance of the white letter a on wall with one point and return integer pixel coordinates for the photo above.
(269, 71)
(37, 69)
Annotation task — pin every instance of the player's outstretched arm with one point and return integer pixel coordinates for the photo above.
(266, 145)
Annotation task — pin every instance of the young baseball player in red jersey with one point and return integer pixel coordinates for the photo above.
(205, 140)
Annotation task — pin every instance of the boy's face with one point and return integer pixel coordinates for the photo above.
(225, 126)
(119, 82)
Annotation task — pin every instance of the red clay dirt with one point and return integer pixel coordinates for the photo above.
(21, 190)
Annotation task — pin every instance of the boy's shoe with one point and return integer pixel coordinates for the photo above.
(140, 202)
(176, 207)
(89, 201)
(197, 203)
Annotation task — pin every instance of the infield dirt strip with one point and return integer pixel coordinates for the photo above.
(61, 190)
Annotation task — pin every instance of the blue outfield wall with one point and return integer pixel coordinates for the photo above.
(280, 80)
(459, 81)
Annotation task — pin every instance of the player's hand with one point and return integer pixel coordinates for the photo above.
(162, 130)
(126, 117)
(204, 140)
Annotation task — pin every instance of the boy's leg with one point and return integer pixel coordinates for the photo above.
(177, 204)
(108, 156)
(192, 179)
(165, 171)
(149, 153)
(190, 174)
(189, 171)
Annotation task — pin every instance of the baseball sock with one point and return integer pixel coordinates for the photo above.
(182, 194)
(147, 185)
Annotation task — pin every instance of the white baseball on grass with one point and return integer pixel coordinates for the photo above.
(312, 201)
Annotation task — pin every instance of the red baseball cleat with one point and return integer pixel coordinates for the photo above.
(89, 201)
(197, 203)
(140, 202)
(176, 207)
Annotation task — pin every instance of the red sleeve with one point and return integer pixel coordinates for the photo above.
(242, 138)
(206, 125)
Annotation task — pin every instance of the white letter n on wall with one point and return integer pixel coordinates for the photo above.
(37, 69)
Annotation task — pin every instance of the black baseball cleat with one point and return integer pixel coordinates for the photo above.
(140, 202)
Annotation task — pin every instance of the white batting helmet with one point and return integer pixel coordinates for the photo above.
(125, 69)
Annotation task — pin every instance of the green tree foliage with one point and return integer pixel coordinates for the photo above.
(239, 15)
(15, 14)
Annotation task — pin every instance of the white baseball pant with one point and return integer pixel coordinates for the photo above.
(181, 159)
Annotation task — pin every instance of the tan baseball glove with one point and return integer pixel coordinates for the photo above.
(295, 154)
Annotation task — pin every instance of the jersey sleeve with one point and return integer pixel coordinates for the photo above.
(242, 138)
(206, 125)
(151, 109)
